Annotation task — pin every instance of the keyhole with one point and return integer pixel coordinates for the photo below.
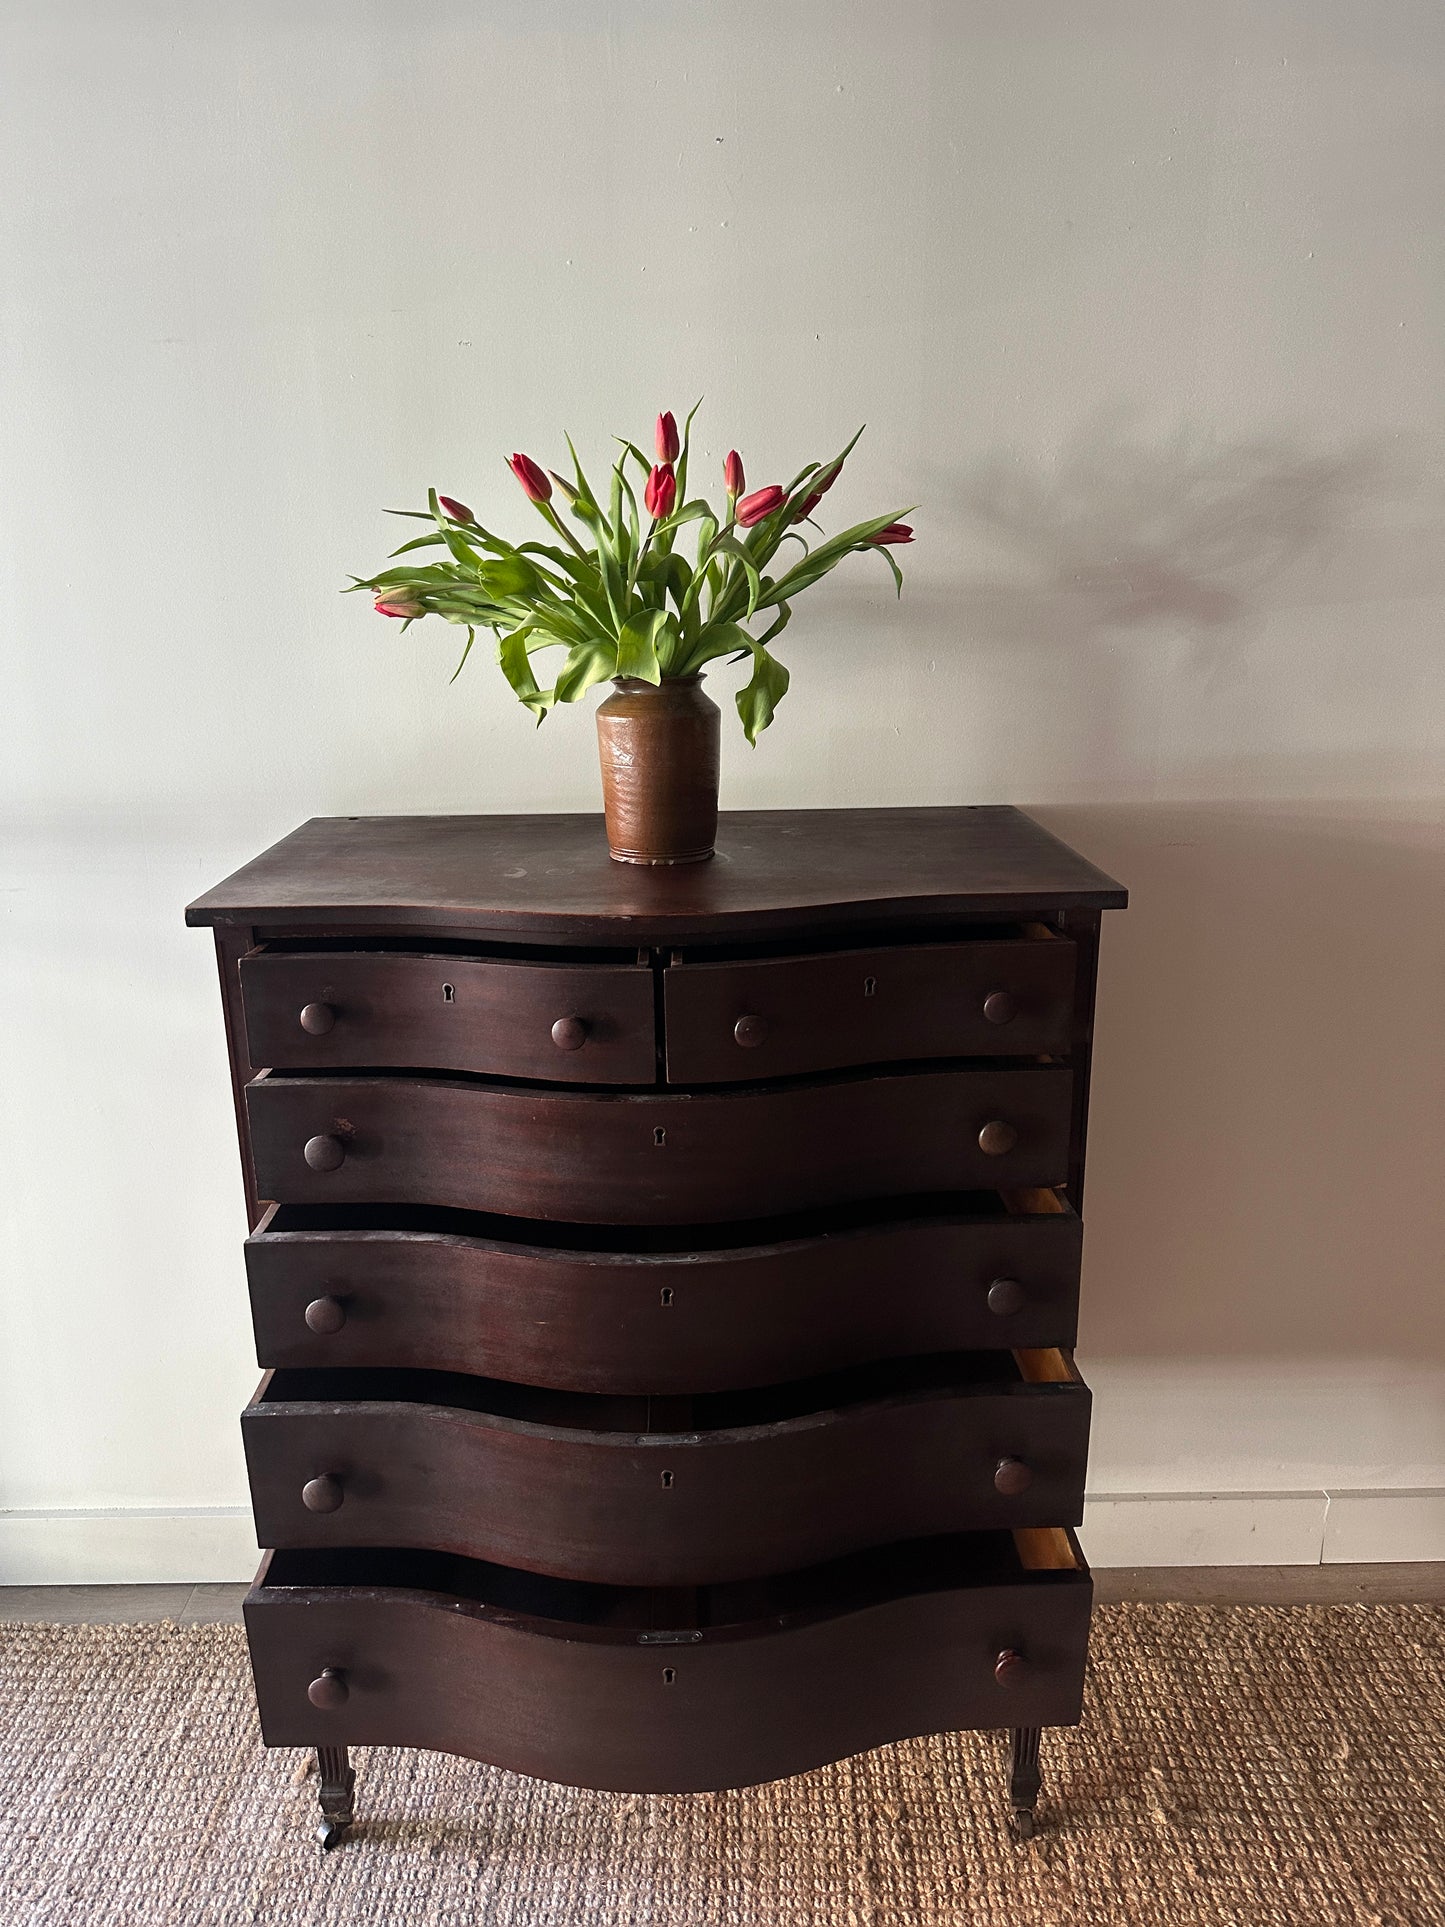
(667, 1481)
(449, 995)
(667, 1294)
(669, 1674)
(659, 1136)
(870, 984)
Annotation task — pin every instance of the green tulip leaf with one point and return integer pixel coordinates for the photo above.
(888, 558)
(584, 487)
(761, 694)
(637, 646)
(513, 575)
(730, 545)
(586, 664)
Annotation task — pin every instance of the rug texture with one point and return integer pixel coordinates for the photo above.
(1236, 1768)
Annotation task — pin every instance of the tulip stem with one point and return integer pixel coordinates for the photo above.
(550, 514)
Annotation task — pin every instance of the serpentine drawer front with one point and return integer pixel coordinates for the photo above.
(314, 1009)
(775, 1017)
(604, 1488)
(612, 1158)
(726, 1686)
(666, 1283)
(452, 1291)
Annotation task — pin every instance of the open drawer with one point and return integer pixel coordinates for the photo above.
(587, 1156)
(639, 1491)
(669, 1692)
(461, 1007)
(1003, 991)
(696, 1310)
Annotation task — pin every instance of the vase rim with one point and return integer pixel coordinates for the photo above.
(641, 682)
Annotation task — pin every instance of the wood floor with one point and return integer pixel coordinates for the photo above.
(1198, 1585)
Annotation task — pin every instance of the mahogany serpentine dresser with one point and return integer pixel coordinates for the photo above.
(665, 1282)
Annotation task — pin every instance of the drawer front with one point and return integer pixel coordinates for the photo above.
(670, 1509)
(577, 1024)
(668, 1158)
(664, 1322)
(704, 1712)
(781, 1017)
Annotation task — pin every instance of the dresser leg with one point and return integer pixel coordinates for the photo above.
(1023, 1780)
(338, 1782)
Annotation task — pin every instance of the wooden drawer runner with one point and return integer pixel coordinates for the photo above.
(456, 1292)
(777, 1017)
(727, 1686)
(632, 1491)
(662, 1158)
(568, 1023)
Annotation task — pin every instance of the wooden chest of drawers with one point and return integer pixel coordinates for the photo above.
(666, 1283)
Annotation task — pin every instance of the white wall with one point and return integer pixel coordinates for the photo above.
(1142, 302)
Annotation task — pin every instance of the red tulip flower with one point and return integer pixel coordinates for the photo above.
(668, 445)
(533, 479)
(733, 473)
(894, 533)
(807, 505)
(661, 490)
(458, 511)
(395, 606)
(762, 502)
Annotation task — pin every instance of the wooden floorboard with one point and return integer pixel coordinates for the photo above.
(1274, 1585)
(208, 1605)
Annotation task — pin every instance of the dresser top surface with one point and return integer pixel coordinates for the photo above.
(550, 877)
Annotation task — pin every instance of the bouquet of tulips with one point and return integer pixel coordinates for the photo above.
(625, 602)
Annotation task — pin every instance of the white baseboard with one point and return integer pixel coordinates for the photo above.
(1362, 1527)
(1263, 1528)
(133, 1545)
(1203, 1528)
(146, 1545)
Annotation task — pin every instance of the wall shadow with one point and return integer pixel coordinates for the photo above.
(1184, 533)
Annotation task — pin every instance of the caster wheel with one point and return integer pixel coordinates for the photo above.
(331, 1833)
(1024, 1823)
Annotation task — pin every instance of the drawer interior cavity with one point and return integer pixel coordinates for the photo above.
(970, 1559)
(946, 1374)
(413, 1220)
(861, 937)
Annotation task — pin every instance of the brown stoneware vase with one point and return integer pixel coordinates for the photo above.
(659, 749)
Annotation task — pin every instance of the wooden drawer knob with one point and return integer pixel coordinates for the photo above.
(328, 1315)
(750, 1031)
(317, 1019)
(569, 1033)
(330, 1690)
(323, 1494)
(999, 1007)
(1011, 1477)
(1005, 1297)
(325, 1153)
(995, 1140)
(1010, 1667)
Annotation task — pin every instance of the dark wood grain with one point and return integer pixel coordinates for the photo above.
(589, 1488)
(644, 1708)
(452, 1013)
(1083, 927)
(875, 1006)
(232, 943)
(666, 1158)
(549, 878)
(691, 1319)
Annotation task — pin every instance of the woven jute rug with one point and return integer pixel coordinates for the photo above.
(1241, 1766)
